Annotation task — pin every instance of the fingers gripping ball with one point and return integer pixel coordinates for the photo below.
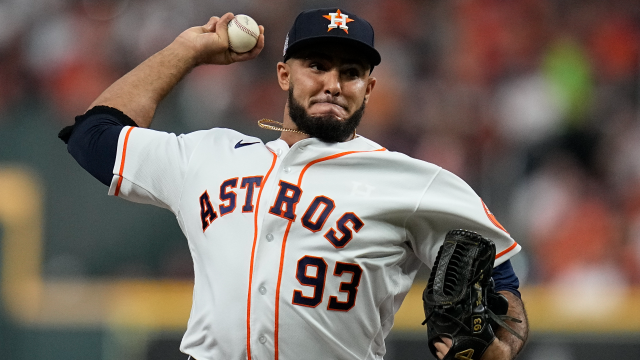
(243, 33)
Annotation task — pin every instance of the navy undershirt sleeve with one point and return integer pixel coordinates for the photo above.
(93, 140)
(505, 278)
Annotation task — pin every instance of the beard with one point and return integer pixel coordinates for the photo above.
(327, 128)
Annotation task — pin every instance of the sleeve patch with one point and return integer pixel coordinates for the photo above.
(492, 217)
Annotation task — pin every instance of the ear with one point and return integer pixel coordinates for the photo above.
(283, 72)
(371, 83)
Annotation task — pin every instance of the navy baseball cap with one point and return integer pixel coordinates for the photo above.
(331, 24)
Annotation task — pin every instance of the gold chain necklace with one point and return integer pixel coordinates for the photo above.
(281, 127)
(262, 124)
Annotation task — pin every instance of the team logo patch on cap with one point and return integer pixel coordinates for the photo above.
(338, 19)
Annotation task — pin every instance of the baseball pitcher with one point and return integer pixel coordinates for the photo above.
(305, 247)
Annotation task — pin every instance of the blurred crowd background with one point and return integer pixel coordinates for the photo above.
(535, 103)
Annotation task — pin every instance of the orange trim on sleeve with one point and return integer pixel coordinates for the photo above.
(507, 249)
(253, 251)
(124, 153)
(286, 235)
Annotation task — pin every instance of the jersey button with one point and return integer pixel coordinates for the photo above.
(269, 237)
(263, 290)
(279, 152)
(262, 339)
(287, 170)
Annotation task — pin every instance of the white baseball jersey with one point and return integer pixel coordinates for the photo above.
(299, 253)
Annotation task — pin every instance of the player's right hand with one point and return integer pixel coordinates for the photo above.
(209, 44)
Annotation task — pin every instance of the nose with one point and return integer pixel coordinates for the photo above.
(332, 84)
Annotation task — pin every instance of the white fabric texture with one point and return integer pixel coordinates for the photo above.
(277, 287)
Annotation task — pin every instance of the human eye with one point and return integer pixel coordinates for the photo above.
(317, 66)
(353, 72)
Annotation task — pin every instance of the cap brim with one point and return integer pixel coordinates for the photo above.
(370, 54)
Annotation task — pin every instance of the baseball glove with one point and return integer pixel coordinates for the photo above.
(460, 301)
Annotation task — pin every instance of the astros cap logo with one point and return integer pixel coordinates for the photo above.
(308, 30)
(338, 19)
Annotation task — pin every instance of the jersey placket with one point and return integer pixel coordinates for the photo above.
(269, 247)
(270, 252)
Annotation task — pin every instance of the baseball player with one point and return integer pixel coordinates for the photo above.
(303, 247)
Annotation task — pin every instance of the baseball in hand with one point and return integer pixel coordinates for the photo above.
(243, 33)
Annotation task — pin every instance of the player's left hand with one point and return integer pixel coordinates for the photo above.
(209, 44)
(443, 347)
(498, 350)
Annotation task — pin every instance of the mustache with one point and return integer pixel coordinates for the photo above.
(325, 128)
(328, 99)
